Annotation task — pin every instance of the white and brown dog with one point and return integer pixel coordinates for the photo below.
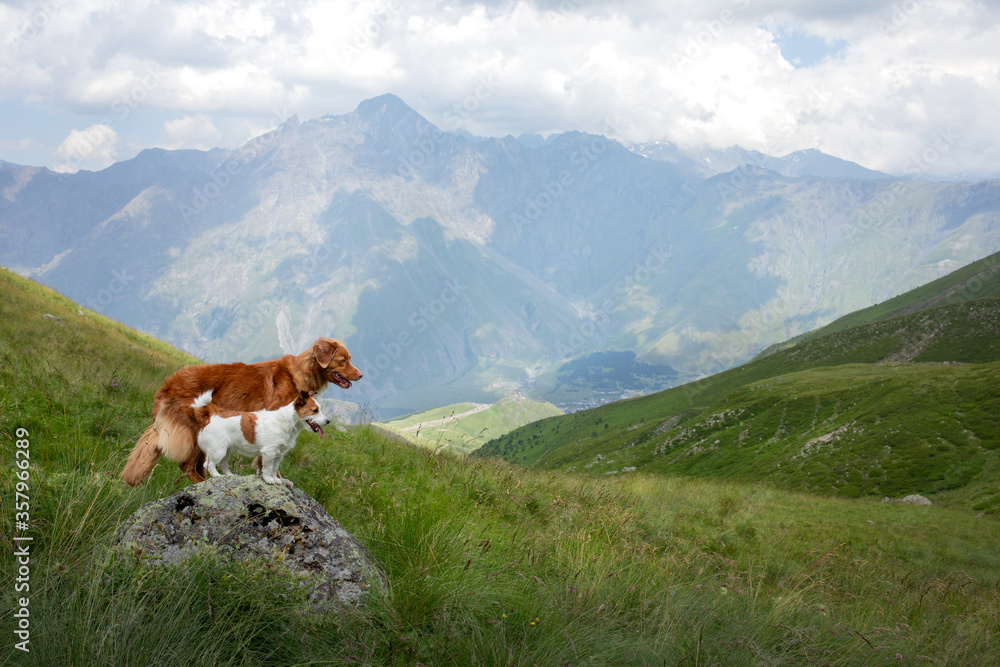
(269, 434)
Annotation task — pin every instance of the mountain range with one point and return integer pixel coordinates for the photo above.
(712, 162)
(463, 269)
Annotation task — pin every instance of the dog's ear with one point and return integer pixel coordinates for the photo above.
(324, 350)
(303, 398)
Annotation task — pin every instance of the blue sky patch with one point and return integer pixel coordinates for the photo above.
(804, 50)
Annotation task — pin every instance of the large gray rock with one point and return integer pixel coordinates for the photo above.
(242, 518)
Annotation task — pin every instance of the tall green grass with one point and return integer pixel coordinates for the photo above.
(490, 564)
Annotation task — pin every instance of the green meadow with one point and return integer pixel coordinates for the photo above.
(465, 427)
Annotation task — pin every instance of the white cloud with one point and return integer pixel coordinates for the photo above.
(93, 148)
(190, 132)
(693, 72)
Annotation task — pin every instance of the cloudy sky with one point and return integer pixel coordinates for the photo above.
(905, 86)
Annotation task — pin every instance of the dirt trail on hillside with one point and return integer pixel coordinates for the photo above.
(445, 420)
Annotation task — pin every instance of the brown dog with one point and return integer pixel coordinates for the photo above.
(265, 385)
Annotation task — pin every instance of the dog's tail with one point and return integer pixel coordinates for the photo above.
(202, 413)
(170, 435)
(143, 458)
(204, 398)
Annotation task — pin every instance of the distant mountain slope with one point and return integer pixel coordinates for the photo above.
(463, 270)
(812, 162)
(977, 280)
(827, 374)
(709, 162)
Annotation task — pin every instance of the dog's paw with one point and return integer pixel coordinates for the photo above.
(271, 480)
(287, 482)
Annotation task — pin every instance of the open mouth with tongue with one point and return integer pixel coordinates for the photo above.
(341, 381)
(316, 428)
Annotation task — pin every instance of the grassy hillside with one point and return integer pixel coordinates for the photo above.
(465, 427)
(67, 372)
(851, 430)
(487, 563)
(966, 331)
(978, 280)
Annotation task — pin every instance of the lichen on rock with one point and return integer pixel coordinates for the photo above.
(244, 519)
